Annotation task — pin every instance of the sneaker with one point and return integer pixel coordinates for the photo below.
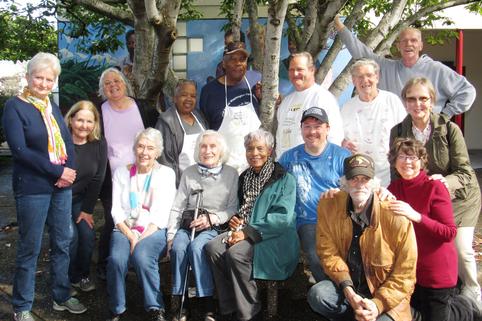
(114, 317)
(182, 317)
(23, 316)
(85, 285)
(72, 305)
(156, 315)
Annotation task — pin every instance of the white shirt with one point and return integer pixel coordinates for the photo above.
(290, 111)
(368, 125)
(164, 185)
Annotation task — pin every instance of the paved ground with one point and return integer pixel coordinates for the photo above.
(292, 301)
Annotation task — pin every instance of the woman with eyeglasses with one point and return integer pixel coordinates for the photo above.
(426, 203)
(448, 161)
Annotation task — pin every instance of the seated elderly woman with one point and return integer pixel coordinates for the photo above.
(142, 196)
(218, 183)
(262, 243)
(426, 202)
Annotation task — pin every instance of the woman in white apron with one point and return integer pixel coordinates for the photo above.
(180, 128)
(238, 121)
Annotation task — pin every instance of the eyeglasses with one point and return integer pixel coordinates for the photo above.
(410, 158)
(413, 100)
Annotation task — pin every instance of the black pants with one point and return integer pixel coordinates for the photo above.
(442, 304)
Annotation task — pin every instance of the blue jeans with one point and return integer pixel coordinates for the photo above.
(183, 251)
(145, 260)
(33, 212)
(328, 300)
(82, 246)
(307, 235)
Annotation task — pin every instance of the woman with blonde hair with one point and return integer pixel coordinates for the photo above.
(43, 173)
(83, 120)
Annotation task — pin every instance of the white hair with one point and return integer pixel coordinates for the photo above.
(154, 136)
(223, 147)
(44, 60)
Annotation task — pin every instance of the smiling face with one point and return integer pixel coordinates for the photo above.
(314, 133)
(257, 154)
(185, 99)
(300, 74)
(410, 45)
(146, 154)
(209, 151)
(82, 124)
(365, 80)
(114, 86)
(418, 103)
(235, 66)
(408, 166)
(41, 82)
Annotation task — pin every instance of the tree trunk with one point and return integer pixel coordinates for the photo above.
(155, 27)
(256, 35)
(276, 17)
(237, 16)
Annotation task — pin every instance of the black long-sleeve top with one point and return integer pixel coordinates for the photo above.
(91, 159)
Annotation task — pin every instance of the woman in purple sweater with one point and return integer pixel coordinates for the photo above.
(426, 202)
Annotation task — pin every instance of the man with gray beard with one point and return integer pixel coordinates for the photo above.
(368, 253)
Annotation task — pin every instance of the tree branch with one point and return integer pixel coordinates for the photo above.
(309, 24)
(390, 38)
(237, 16)
(152, 13)
(101, 7)
(326, 13)
(256, 35)
(337, 45)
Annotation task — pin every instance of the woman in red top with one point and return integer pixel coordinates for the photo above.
(426, 202)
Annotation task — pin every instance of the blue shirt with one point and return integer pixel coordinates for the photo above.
(26, 134)
(314, 175)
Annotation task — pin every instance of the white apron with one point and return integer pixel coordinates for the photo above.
(237, 123)
(186, 157)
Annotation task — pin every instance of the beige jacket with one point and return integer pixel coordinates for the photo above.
(389, 252)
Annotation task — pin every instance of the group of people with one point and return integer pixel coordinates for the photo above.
(211, 190)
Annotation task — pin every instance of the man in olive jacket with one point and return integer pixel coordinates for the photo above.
(368, 253)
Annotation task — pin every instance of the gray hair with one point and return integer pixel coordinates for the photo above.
(373, 183)
(307, 55)
(364, 62)
(123, 78)
(223, 147)
(152, 135)
(44, 60)
(259, 134)
(183, 82)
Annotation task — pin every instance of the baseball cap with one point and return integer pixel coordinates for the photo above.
(235, 47)
(358, 164)
(315, 112)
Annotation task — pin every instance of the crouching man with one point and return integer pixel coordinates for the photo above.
(368, 253)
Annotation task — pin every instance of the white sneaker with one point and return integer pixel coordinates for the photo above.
(23, 316)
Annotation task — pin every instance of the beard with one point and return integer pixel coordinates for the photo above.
(360, 196)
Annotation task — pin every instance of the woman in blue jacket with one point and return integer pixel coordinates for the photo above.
(43, 156)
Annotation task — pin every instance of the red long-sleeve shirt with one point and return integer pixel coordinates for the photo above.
(437, 257)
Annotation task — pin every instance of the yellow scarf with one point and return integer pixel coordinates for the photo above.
(56, 144)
